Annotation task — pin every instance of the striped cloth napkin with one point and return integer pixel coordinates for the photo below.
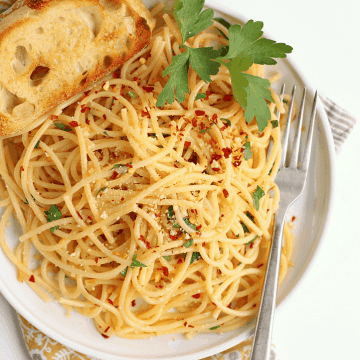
(41, 347)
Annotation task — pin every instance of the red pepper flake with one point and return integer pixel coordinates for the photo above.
(89, 217)
(175, 166)
(133, 303)
(22, 168)
(142, 237)
(54, 117)
(105, 336)
(165, 271)
(194, 122)
(203, 244)
(198, 227)
(173, 237)
(208, 93)
(96, 260)
(218, 271)
(216, 169)
(114, 175)
(199, 112)
(229, 306)
(87, 121)
(155, 80)
(145, 113)
(104, 116)
(107, 329)
(185, 323)
(251, 245)
(215, 157)
(110, 302)
(136, 78)
(259, 266)
(179, 261)
(78, 214)
(212, 142)
(187, 143)
(237, 163)
(116, 74)
(293, 218)
(228, 97)
(214, 117)
(73, 124)
(84, 108)
(148, 89)
(196, 296)
(122, 199)
(227, 152)
(190, 326)
(214, 304)
(32, 279)
(128, 165)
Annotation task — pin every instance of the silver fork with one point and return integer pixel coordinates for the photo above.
(291, 182)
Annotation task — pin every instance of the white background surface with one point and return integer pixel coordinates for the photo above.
(322, 320)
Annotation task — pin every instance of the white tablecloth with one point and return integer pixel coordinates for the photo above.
(322, 320)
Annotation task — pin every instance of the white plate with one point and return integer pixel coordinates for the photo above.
(312, 215)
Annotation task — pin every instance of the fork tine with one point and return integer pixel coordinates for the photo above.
(296, 146)
(287, 129)
(306, 158)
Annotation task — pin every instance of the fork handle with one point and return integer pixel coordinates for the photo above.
(264, 324)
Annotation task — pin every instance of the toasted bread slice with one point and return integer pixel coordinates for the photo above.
(52, 49)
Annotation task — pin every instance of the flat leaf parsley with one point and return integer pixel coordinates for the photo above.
(246, 47)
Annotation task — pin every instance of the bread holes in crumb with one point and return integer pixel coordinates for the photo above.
(83, 81)
(21, 60)
(13, 105)
(93, 20)
(39, 30)
(110, 5)
(38, 75)
(108, 60)
(128, 42)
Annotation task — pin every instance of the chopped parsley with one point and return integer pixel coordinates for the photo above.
(200, 96)
(62, 126)
(136, 263)
(189, 243)
(227, 120)
(37, 145)
(257, 195)
(102, 189)
(247, 150)
(167, 258)
(53, 214)
(124, 272)
(132, 94)
(195, 256)
(215, 327)
(171, 216)
(106, 133)
(252, 240)
(274, 123)
(188, 223)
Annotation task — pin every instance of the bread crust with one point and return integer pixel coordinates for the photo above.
(54, 49)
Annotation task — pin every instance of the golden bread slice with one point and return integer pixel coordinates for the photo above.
(52, 49)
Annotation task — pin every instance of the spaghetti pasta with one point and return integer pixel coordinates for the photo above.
(144, 218)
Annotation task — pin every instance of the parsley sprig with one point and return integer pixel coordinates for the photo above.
(246, 47)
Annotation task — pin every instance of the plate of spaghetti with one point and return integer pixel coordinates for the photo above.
(131, 230)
